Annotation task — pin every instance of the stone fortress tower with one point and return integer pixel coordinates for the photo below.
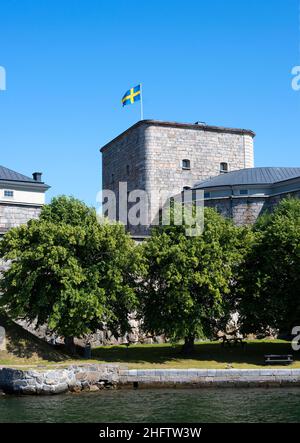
(159, 156)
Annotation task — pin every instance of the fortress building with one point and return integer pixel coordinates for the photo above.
(170, 157)
(160, 157)
(245, 194)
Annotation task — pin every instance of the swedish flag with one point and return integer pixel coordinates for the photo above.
(132, 95)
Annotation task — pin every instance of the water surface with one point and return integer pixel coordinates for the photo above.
(158, 405)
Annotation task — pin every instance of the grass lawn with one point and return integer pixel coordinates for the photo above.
(24, 349)
(207, 355)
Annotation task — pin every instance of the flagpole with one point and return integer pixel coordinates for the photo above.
(142, 107)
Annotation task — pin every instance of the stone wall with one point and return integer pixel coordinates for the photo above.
(99, 338)
(209, 377)
(274, 200)
(246, 210)
(56, 381)
(242, 210)
(166, 148)
(94, 377)
(12, 215)
(125, 161)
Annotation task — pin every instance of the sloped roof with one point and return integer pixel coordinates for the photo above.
(10, 175)
(250, 176)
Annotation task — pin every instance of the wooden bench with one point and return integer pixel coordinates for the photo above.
(279, 359)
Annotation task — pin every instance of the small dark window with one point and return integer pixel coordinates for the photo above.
(8, 193)
(223, 167)
(244, 192)
(206, 194)
(186, 164)
(127, 169)
(112, 178)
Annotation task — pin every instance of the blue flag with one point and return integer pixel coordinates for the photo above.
(132, 95)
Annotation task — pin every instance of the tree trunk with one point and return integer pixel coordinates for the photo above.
(189, 344)
(70, 345)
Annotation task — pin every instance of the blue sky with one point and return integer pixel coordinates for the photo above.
(69, 62)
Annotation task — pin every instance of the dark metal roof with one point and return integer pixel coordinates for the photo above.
(197, 127)
(7, 175)
(10, 175)
(250, 176)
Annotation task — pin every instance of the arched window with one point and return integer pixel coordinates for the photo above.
(186, 164)
(223, 167)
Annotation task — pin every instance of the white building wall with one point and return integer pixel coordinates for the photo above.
(25, 204)
(30, 197)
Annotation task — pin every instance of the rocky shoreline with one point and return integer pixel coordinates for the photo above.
(57, 381)
(95, 377)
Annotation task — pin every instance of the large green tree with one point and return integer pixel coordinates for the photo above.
(69, 271)
(186, 291)
(269, 283)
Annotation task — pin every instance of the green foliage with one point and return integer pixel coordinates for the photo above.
(68, 210)
(75, 274)
(187, 287)
(269, 295)
(69, 271)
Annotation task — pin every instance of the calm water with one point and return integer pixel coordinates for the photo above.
(188, 405)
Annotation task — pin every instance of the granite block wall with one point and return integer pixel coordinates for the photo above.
(15, 215)
(246, 210)
(168, 146)
(243, 210)
(125, 161)
(12, 215)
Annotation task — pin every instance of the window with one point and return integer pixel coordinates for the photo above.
(186, 164)
(206, 194)
(112, 178)
(127, 169)
(223, 167)
(8, 193)
(243, 191)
